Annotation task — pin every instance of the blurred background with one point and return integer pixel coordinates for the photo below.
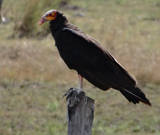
(33, 77)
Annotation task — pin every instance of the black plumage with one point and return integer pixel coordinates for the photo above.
(85, 55)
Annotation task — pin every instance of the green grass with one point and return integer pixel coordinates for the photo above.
(26, 15)
(33, 77)
(38, 108)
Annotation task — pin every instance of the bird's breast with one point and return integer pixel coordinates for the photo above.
(67, 55)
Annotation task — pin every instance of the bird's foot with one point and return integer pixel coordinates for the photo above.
(73, 96)
(73, 93)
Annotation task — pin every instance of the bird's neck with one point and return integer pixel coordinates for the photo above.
(55, 27)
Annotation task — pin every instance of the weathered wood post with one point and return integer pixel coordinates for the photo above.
(80, 114)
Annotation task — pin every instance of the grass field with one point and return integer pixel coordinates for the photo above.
(33, 77)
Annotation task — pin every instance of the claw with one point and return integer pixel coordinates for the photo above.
(69, 93)
(72, 96)
(73, 92)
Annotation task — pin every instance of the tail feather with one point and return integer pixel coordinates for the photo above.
(134, 95)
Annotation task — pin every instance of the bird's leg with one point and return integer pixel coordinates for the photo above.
(80, 83)
(78, 91)
(73, 96)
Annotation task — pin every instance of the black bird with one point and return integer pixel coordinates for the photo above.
(91, 61)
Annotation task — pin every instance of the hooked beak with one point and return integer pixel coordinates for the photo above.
(41, 21)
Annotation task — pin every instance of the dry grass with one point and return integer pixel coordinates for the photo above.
(128, 32)
(29, 60)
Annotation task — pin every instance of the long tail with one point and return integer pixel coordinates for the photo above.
(134, 95)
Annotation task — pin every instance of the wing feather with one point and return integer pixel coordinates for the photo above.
(85, 55)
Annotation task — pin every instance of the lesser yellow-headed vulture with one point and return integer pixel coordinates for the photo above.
(84, 54)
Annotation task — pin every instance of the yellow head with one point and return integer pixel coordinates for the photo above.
(48, 16)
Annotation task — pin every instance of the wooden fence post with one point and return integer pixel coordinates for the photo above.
(80, 114)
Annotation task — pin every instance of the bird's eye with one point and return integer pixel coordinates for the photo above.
(49, 15)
